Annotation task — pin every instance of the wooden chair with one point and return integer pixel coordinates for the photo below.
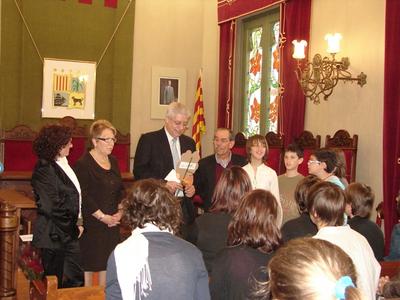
(343, 141)
(276, 151)
(17, 148)
(309, 143)
(390, 268)
(240, 144)
(79, 138)
(121, 151)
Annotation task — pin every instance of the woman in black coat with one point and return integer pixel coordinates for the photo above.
(57, 193)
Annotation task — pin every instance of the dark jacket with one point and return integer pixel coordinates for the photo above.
(371, 232)
(204, 178)
(153, 157)
(57, 202)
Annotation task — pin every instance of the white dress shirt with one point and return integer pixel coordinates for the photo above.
(265, 178)
(64, 165)
(357, 247)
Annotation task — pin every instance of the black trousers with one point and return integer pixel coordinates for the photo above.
(65, 263)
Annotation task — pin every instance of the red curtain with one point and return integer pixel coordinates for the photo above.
(226, 63)
(296, 25)
(296, 22)
(391, 119)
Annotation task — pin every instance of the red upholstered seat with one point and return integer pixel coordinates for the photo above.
(240, 144)
(18, 153)
(122, 151)
(343, 141)
(309, 143)
(79, 147)
(79, 138)
(276, 151)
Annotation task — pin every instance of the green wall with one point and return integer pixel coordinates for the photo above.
(64, 29)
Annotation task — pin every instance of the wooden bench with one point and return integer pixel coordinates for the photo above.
(17, 153)
(47, 290)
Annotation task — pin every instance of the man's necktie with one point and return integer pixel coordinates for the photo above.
(175, 155)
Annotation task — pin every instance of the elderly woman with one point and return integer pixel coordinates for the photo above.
(102, 189)
(253, 237)
(58, 198)
(211, 229)
(153, 263)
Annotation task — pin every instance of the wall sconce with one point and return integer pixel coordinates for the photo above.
(322, 74)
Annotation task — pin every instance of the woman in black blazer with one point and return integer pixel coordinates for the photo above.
(58, 199)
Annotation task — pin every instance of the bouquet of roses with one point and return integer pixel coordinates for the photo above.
(30, 262)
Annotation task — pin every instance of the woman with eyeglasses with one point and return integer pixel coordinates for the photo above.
(102, 190)
(323, 164)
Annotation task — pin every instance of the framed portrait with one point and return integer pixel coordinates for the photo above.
(68, 89)
(168, 85)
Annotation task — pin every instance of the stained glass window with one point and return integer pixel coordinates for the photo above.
(254, 83)
(261, 69)
(274, 82)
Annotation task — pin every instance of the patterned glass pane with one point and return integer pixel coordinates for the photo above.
(253, 84)
(274, 87)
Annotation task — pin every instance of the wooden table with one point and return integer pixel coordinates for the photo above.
(19, 200)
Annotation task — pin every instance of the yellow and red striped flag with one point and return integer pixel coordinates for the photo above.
(199, 123)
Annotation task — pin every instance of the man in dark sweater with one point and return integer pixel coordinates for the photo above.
(211, 167)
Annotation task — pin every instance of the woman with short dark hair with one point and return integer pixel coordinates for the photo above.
(323, 163)
(253, 237)
(58, 198)
(361, 198)
(211, 229)
(153, 263)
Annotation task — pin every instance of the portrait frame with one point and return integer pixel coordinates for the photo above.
(69, 88)
(161, 76)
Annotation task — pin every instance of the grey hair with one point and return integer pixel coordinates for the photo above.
(176, 108)
(231, 135)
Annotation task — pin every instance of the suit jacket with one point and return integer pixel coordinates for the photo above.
(153, 157)
(57, 201)
(205, 176)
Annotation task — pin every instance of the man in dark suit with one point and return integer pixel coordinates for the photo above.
(211, 167)
(155, 157)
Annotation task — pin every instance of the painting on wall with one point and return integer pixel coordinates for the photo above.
(68, 89)
(168, 85)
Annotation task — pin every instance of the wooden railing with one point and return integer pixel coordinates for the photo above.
(8, 249)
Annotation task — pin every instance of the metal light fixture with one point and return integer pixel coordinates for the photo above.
(320, 76)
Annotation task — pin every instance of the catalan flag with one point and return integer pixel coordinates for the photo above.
(199, 123)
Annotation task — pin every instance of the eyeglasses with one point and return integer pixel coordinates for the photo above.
(314, 162)
(107, 140)
(183, 124)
